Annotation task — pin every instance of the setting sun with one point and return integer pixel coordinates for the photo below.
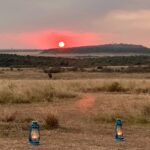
(61, 44)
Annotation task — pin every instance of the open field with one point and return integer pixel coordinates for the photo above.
(38, 74)
(85, 107)
(78, 127)
(74, 75)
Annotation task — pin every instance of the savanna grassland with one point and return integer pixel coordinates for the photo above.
(75, 110)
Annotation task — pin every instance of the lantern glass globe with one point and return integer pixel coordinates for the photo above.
(35, 134)
(119, 131)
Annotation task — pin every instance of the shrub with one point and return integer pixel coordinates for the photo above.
(146, 111)
(50, 75)
(51, 121)
(8, 116)
(141, 90)
(100, 67)
(108, 70)
(72, 69)
(54, 70)
(11, 68)
(19, 69)
(115, 87)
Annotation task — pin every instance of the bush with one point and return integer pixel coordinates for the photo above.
(19, 69)
(11, 68)
(74, 69)
(50, 75)
(8, 116)
(54, 70)
(146, 111)
(108, 70)
(51, 121)
(115, 87)
(100, 67)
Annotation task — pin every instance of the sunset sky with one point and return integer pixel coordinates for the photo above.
(44, 23)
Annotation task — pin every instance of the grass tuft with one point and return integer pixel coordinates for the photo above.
(146, 111)
(8, 116)
(51, 121)
(114, 87)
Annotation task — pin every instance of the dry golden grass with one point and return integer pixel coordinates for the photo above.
(22, 73)
(131, 108)
(28, 91)
(38, 74)
(81, 125)
(83, 112)
(99, 75)
(33, 91)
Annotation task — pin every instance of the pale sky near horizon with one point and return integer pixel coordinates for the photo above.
(43, 23)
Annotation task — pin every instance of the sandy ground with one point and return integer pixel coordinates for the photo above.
(77, 131)
(137, 138)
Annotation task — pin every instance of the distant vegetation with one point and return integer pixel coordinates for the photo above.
(140, 62)
(7, 60)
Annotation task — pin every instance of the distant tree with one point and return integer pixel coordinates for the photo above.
(100, 67)
(50, 75)
(11, 68)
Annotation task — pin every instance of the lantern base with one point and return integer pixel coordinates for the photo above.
(119, 139)
(34, 143)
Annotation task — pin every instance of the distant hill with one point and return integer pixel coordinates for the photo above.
(84, 51)
(109, 48)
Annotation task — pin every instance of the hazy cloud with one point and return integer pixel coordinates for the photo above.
(103, 18)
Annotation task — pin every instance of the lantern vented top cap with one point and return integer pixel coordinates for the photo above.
(34, 122)
(118, 122)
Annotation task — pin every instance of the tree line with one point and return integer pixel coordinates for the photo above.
(7, 60)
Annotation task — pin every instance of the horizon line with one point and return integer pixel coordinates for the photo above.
(75, 47)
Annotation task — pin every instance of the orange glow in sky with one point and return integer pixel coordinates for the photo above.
(74, 22)
(45, 39)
